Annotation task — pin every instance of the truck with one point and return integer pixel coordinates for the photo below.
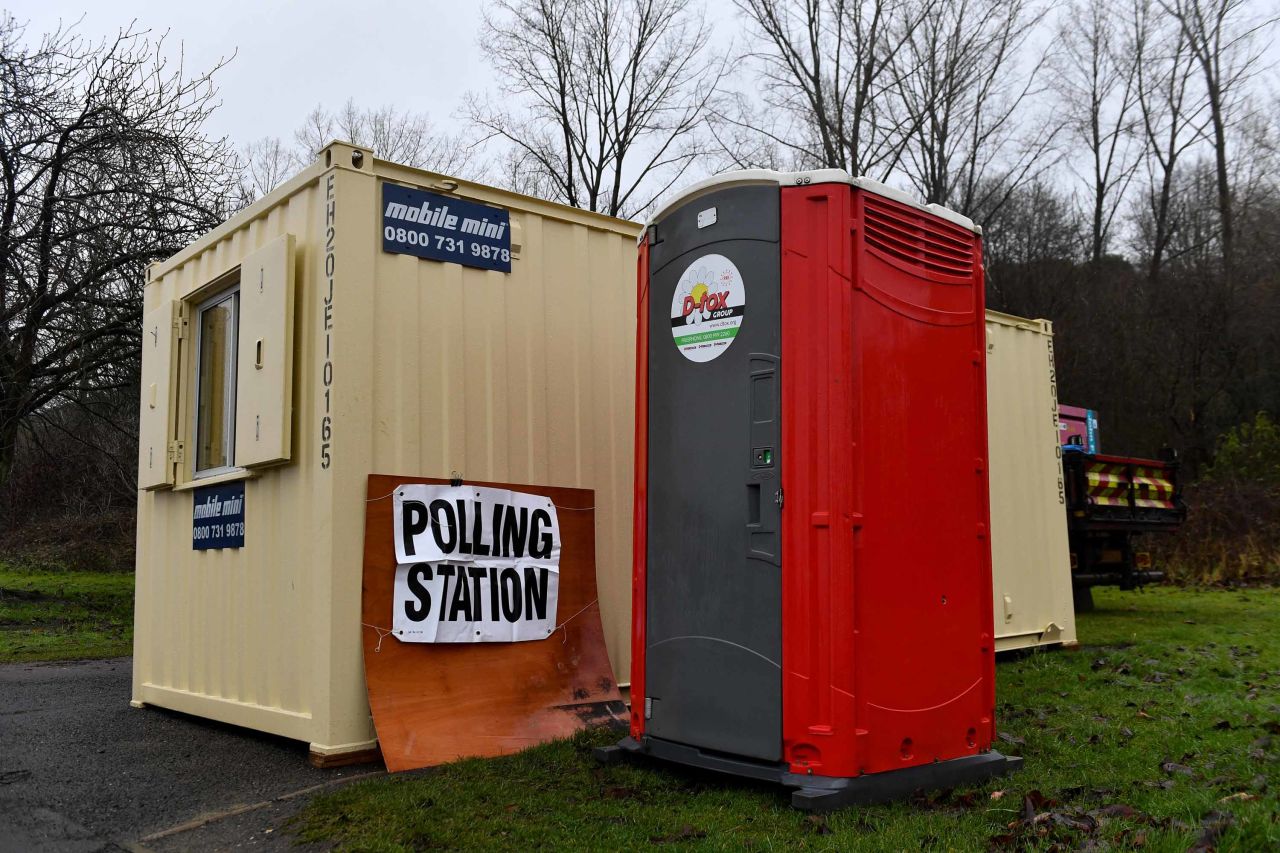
(1111, 501)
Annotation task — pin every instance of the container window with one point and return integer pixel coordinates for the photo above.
(217, 322)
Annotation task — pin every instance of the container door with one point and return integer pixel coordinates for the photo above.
(713, 633)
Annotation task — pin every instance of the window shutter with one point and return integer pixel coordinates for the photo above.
(264, 370)
(157, 452)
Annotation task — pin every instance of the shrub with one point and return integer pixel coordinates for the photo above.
(1248, 453)
(1232, 533)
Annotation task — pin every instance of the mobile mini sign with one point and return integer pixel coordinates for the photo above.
(475, 565)
(444, 228)
(217, 516)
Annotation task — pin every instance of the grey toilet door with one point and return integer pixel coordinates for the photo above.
(713, 632)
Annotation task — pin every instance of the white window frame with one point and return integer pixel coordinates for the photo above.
(229, 404)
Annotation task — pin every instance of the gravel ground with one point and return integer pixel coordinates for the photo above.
(82, 771)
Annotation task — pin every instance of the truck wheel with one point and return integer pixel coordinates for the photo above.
(1083, 598)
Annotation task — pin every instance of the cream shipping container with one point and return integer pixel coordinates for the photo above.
(1030, 560)
(362, 318)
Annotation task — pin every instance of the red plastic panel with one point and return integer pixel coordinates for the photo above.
(887, 652)
(818, 551)
(639, 531)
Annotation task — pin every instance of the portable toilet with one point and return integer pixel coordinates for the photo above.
(812, 573)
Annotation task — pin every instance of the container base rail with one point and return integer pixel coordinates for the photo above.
(823, 793)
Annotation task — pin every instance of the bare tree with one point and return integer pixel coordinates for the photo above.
(267, 163)
(404, 137)
(104, 168)
(1221, 38)
(969, 101)
(1097, 82)
(1031, 248)
(829, 69)
(602, 101)
(408, 138)
(1172, 120)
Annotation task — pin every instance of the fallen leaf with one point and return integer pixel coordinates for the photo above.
(1211, 829)
(817, 823)
(995, 795)
(688, 833)
(1244, 796)
(1010, 738)
(1117, 810)
(1143, 714)
(1081, 823)
(1172, 767)
(1039, 801)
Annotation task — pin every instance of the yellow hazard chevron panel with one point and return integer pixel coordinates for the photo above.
(1109, 483)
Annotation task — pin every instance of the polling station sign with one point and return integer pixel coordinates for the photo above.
(217, 516)
(444, 228)
(474, 565)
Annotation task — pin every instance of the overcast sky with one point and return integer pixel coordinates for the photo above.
(290, 55)
(293, 54)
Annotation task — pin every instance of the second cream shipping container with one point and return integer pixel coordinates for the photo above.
(1030, 561)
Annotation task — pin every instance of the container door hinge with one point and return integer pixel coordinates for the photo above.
(777, 498)
(175, 452)
(180, 323)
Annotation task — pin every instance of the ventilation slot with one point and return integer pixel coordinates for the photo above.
(915, 241)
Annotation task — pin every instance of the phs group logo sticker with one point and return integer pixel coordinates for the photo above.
(707, 308)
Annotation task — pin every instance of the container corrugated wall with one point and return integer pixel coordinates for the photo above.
(402, 366)
(526, 377)
(1031, 573)
(232, 634)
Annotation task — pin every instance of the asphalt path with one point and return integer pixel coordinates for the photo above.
(82, 771)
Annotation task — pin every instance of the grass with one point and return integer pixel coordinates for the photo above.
(47, 614)
(1156, 733)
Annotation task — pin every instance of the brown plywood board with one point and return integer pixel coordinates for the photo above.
(436, 702)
